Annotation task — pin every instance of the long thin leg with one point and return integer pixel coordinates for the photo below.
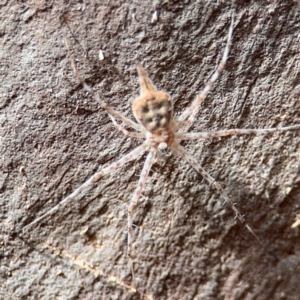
(134, 200)
(178, 150)
(118, 164)
(190, 113)
(126, 132)
(109, 109)
(214, 134)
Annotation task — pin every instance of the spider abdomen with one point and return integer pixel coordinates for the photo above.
(153, 111)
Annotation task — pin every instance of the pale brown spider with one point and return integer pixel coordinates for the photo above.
(153, 111)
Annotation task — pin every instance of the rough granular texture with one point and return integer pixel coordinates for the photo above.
(54, 136)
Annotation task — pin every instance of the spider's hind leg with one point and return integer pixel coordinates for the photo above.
(150, 160)
(118, 164)
(181, 152)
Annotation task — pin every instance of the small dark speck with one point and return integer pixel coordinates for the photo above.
(145, 109)
(158, 105)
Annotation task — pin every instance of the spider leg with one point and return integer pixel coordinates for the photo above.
(126, 132)
(151, 158)
(119, 163)
(214, 134)
(190, 113)
(178, 150)
(104, 105)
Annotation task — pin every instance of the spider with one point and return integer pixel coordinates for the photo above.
(153, 111)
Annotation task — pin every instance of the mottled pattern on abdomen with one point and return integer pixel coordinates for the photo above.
(153, 110)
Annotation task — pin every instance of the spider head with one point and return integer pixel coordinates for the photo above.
(153, 109)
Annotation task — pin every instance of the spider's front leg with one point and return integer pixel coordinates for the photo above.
(151, 158)
(227, 132)
(178, 150)
(118, 164)
(188, 116)
(126, 132)
(104, 105)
